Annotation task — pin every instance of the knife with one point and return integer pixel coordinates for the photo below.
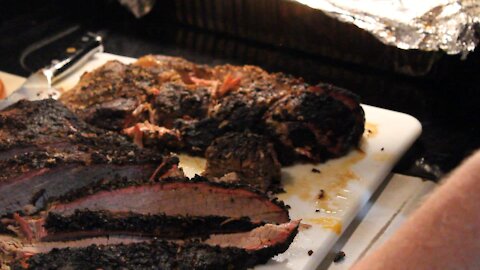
(39, 84)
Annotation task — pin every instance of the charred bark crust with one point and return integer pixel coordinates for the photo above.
(45, 133)
(154, 255)
(202, 103)
(250, 156)
(46, 152)
(119, 182)
(102, 223)
(316, 124)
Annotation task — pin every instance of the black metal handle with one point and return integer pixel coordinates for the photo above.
(88, 45)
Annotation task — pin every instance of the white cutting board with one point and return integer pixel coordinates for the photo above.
(348, 182)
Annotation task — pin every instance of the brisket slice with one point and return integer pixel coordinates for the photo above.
(173, 207)
(48, 152)
(200, 103)
(181, 197)
(236, 251)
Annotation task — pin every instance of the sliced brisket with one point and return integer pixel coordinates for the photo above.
(65, 180)
(173, 207)
(48, 152)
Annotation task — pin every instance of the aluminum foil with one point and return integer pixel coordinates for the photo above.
(430, 25)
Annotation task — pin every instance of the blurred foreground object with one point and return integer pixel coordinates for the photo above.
(442, 233)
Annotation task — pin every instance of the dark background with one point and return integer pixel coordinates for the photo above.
(441, 91)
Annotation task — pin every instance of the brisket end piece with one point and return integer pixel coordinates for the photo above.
(315, 124)
(249, 156)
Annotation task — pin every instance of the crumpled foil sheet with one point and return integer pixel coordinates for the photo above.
(139, 8)
(430, 25)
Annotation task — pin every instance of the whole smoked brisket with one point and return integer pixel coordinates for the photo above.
(171, 103)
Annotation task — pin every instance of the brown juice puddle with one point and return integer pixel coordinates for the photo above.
(328, 223)
(332, 179)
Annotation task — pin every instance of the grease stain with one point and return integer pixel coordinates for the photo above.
(329, 223)
(333, 180)
(371, 130)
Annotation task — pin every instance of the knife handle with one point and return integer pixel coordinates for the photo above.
(89, 45)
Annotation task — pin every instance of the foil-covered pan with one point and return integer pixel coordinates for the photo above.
(430, 25)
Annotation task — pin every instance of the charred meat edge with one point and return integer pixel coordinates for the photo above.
(86, 223)
(232, 251)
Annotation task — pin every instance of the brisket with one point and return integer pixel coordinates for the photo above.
(173, 207)
(316, 123)
(201, 103)
(218, 252)
(48, 152)
(81, 197)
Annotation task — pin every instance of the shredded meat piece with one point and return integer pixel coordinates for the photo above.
(229, 84)
(140, 131)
